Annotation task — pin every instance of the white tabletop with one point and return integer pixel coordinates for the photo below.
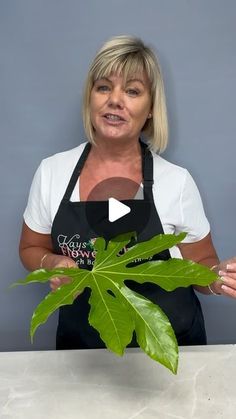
(97, 384)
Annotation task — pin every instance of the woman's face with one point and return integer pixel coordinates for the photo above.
(119, 110)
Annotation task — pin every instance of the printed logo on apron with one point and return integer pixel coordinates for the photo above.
(82, 252)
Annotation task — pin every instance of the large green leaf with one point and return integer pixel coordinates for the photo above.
(116, 311)
(153, 330)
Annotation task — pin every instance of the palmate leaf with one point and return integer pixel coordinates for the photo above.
(116, 311)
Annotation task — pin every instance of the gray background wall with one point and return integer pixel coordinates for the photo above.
(45, 50)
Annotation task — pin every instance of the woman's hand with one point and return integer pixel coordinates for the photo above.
(52, 261)
(36, 251)
(227, 273)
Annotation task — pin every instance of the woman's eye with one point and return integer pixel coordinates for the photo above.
(103, 88)
(132, 92)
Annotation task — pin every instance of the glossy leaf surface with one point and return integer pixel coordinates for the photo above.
(116, 311)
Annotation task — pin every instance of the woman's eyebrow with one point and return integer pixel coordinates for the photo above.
(103, 78)
(134, 80)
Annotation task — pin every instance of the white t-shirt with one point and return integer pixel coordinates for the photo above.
(176, 196)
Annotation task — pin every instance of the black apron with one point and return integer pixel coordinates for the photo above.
(73, 236)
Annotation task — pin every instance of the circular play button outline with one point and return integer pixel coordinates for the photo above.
(116, 205)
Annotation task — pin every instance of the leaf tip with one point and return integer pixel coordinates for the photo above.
(33, 328)
(175, 368)
(31, 336)
(15, 284)
(117, 352)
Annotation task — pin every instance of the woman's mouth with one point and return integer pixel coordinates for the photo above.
(113, 117)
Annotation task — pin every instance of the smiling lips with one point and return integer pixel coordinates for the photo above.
(113, 117)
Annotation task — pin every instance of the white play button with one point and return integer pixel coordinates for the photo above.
(116, 209)
(106, 212)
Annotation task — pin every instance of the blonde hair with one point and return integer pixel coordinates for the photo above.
(128, 55)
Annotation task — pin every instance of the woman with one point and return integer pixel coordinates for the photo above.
(124, 97)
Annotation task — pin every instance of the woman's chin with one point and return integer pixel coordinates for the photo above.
(113, 137)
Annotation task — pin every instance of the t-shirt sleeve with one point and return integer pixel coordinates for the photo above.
(193, 218)
(37, 212)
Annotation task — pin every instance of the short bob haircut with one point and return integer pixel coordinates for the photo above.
(129, 56)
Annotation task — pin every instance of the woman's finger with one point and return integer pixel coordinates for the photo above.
(228, 291)
(228, 281)
(56, 282)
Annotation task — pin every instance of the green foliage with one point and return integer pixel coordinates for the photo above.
(116, 311)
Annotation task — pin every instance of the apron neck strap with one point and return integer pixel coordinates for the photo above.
(147, 170)
(76, 172)
(147, 167)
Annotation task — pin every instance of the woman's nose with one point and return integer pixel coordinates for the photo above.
(116, 97)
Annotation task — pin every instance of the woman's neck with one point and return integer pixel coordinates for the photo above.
(116, 151)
